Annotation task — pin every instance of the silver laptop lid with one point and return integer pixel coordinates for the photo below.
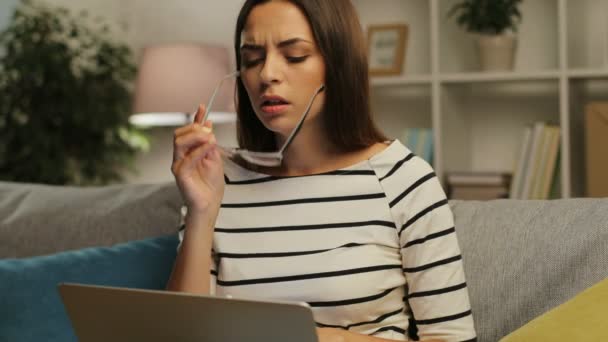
(100, 313)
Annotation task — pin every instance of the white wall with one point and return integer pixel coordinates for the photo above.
(209, 21)
(154, 22)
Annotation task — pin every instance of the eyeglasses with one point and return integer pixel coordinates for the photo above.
(271, 159)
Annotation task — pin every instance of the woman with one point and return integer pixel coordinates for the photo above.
(354, 225)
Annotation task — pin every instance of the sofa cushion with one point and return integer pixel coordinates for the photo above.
(30, 305)
(41, 219)
(582, 319)
(523, 258)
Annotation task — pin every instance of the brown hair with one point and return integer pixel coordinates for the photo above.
(346, 113)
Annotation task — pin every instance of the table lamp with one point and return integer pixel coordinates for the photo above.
(173, 79)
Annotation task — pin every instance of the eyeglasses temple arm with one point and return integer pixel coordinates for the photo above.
(299, 125)
(217, 88)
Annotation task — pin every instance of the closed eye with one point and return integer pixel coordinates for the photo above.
(296, 59)
(252, 63)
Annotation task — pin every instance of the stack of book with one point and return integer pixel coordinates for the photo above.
(420, 142)
(479, 186)
(536, 174)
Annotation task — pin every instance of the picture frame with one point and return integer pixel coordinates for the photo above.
(386, 48)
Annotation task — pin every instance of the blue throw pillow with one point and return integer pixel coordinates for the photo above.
(30, 305)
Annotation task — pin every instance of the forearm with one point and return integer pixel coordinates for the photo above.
(192, 268)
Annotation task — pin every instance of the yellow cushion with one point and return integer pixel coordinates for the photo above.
(583, 318)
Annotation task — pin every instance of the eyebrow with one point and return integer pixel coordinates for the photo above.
(282, 44)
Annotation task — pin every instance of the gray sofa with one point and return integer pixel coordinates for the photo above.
(521, 258)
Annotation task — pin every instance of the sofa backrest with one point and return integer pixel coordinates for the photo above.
(41, 219)
(523, 258)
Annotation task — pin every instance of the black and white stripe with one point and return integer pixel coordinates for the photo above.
(350, 243)
(443, 319)
(275, 178)
(379, 223)
(298, 277)
(380, 319)
(303, 201)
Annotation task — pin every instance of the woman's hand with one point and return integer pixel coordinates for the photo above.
(197, 166)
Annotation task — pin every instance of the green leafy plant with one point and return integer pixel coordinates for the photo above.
(65, 98)
(487, 16)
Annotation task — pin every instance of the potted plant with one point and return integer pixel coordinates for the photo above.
(65, 98)
(494, 22)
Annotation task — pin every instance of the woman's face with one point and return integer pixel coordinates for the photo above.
(281, 66)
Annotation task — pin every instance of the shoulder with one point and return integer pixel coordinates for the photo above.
(397, 164)
(409, 182)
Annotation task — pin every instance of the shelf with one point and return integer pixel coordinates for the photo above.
(480, 77)
(588, 73)
(471, 77)
(561, 65)
(387, 81)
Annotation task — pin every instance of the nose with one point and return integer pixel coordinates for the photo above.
(271, 71)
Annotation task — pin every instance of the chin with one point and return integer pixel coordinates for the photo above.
(276, 127)
(279, 124)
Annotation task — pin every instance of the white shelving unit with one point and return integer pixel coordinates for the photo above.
(478, 117)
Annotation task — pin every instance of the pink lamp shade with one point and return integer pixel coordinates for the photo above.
(174, 79)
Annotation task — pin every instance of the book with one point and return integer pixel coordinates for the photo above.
(536, 165)
(541, 161)
(556, 184)
(427, 151)
(549, 172)
(521, 164)
(479, 193)
(478, 178)
(533, 160)
(422, 133)
(478, 185)
(420, 142)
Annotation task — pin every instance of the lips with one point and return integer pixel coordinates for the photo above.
(273, 104)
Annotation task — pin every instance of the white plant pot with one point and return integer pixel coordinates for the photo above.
(497, 52)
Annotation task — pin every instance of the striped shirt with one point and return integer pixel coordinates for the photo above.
(371, 248)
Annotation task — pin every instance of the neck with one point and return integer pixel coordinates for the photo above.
(309, 152)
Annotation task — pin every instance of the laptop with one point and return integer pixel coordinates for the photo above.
(101, 313)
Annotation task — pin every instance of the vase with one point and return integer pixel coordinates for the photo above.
(497, 52)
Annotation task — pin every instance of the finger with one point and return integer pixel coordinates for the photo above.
(186, 142)
(198, 117)
(193, 158)
(190, 128)
(200, 113)
(185, 155)
(215, 155)
(183, 130)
